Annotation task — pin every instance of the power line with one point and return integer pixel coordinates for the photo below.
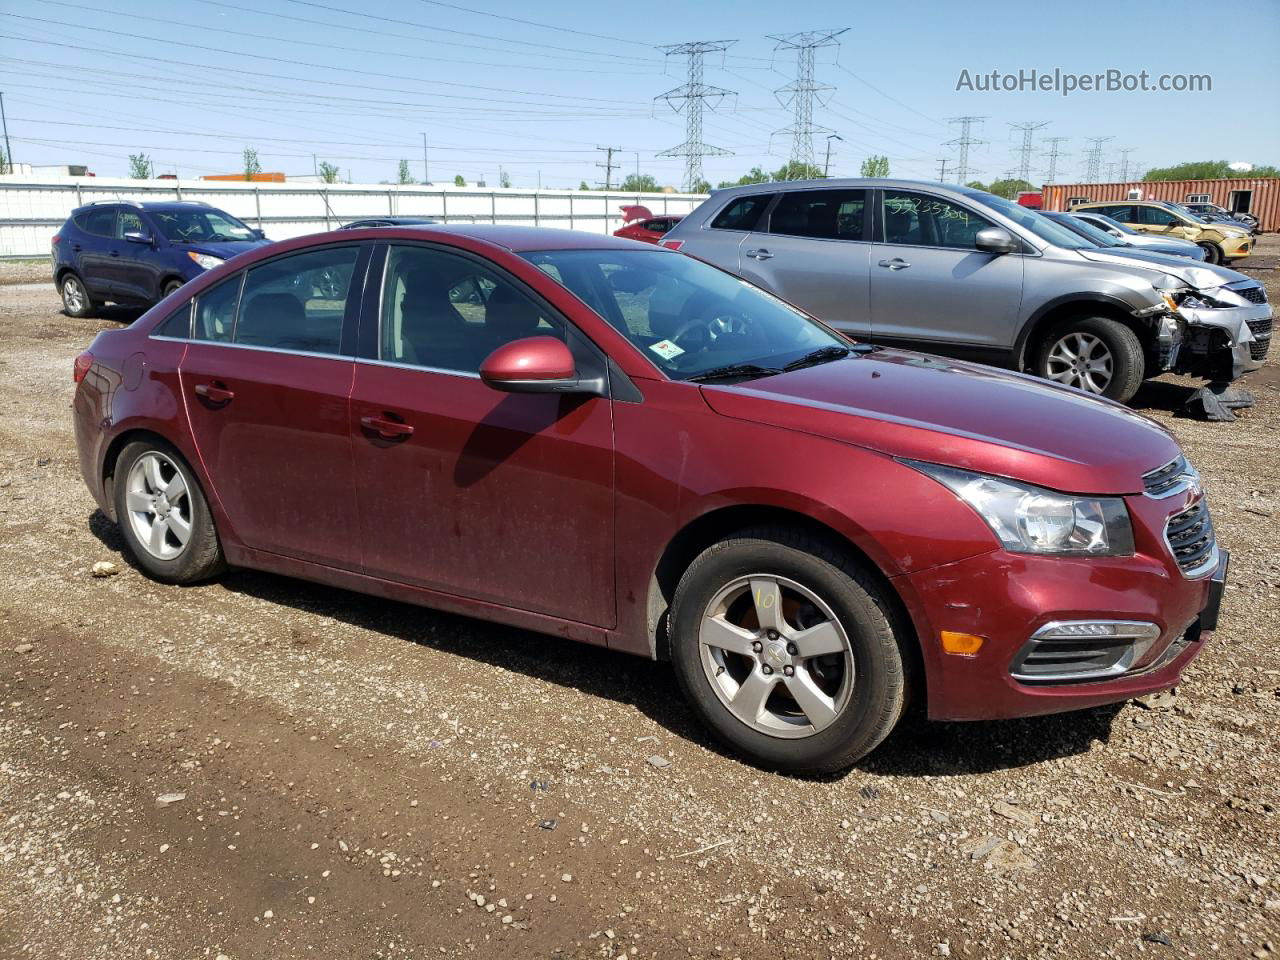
(800, 92)
(692, 97)
(1028, 129)
(1055, 152)
(1093, 163)
(888, 97)
(964, 142)
(527, 23)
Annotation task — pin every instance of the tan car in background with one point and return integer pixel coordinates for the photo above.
(1221, 243)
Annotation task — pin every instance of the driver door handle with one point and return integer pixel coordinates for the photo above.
(214, 393)
(386, 429)
(761, 254)
(897, 263)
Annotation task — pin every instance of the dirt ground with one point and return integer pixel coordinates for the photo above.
(368, 780)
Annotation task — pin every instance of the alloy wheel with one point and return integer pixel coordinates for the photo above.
(73, 295)
(1081, 360)
(159, 505)
(776, 656)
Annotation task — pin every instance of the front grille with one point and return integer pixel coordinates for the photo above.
(1162, 481)
(1261, 330)
(1190, 537)
(1253, 294)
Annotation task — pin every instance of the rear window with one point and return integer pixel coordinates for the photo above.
(821, 214)
(742, 213)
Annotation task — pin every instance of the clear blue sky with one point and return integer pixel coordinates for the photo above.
(192, 82)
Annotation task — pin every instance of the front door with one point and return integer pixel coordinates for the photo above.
(932, 287)
(267, 386)
(500, 497)
(133, 266)
(814, 251)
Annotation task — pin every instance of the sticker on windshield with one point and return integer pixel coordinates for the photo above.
(666, 349)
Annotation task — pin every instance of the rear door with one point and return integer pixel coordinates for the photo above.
(719, 241)
(499, 497)
(267, 381)
(92, 249)
(813, 249)
(930, 286)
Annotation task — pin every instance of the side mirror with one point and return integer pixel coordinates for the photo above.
(258, 234)
(138, 238)
(995, 240)
(536, 365)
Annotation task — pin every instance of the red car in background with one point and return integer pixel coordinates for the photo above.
(649, 230)
(618, 444)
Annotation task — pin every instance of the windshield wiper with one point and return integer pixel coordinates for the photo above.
(734, 370)
(821, 355)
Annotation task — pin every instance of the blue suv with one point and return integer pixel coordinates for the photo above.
(139, 253)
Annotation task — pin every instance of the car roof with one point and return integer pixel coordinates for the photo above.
(517, 239)
(838, 183)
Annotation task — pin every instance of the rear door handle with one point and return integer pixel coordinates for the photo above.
(387, 429)
(897, 263)
(75, 247)
(214, 393)
(114, 253)
(761, 254)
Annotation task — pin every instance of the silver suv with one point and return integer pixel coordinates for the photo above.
(964, 273)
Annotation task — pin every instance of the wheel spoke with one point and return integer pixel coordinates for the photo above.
(816, 705)
(748, 703)
(717, 632)
(179, 527)
(176, 488)
(138, 501)
(151, 468)
(156, 539)
(819, 640)
(768, 600)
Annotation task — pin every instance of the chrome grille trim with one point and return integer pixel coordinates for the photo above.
(1191, 540)
(1173, 477)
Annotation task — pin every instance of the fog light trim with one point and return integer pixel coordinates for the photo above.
(1077, 651)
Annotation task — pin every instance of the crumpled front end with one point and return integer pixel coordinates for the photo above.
(1228, 331)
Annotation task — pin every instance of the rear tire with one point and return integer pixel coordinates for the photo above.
(1095, 354)
(163, 515)
(75, 297)
(1212, 252)
(835, 644)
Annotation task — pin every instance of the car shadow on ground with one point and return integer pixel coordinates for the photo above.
(1162, 395)
(917, 748)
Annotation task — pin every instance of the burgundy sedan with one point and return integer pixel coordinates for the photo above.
(614, 443)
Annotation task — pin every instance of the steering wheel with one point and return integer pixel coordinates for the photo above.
(709, 329)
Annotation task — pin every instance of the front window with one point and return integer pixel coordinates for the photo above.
(1160, 217)
(200, 225)
(1031, 220)
(687, 317)
(1087, 230)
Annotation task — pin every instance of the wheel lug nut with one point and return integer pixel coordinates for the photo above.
(767, 669)
(791, 649)
(757, 646)
(789, 670)
(773, 634)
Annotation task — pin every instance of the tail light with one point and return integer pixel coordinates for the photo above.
(56, 237)
(672, 244)
(82, 365)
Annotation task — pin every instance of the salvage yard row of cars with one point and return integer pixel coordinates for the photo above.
(733, 459)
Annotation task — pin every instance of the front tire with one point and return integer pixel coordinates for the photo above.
(75, 297)
(1094, 354)
(170, 287)
(1212, 252)
(163, 515)
(789, 651)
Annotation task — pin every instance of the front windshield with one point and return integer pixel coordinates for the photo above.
(1029, 219)
(687, 317)
(1086, 229)
(199, 225)
(1112, 224)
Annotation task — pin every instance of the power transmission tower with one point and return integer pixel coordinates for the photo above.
(1028, 128)
(964, 142)
(692, 97)
(1054, 153)
(1093, 164)
(609, 166)
(800, 93)
(942, 170)
(1124, 163)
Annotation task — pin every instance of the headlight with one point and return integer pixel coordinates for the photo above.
(1027, 519)
(204, 260)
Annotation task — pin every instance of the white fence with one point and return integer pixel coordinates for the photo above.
(33, 208)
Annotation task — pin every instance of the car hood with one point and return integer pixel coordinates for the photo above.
(226, 250)
(1202, 276)
(960, 414)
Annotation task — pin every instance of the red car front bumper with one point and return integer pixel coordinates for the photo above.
(1006, 597)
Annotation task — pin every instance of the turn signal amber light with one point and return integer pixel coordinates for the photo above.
(961, 644)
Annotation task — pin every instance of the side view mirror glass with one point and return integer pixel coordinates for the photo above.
(135, 237)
